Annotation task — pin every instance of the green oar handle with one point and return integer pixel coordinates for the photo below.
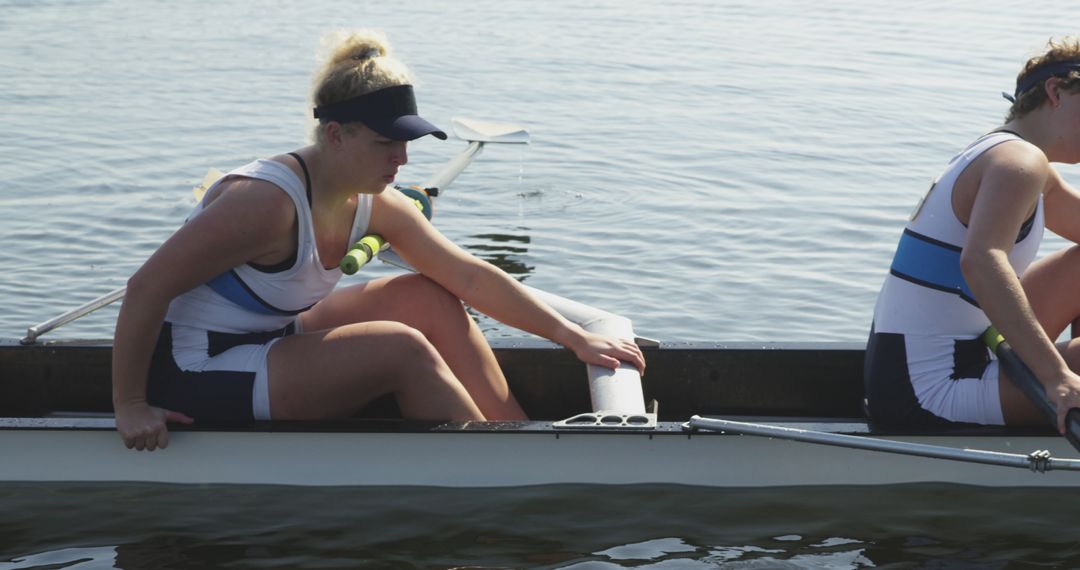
(370, 245)
(1025, 379)
(361, 253)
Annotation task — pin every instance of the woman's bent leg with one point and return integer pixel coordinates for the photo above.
(333, 373)
(424, 305)
(1050, 286)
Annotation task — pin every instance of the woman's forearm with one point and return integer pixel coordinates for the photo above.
(137, 330)
(1002, 298)
(494, 293)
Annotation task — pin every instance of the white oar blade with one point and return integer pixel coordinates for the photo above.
(212, 176)
(489, 132)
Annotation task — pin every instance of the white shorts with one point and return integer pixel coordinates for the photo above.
(931, 381)
(943, 388)
(213, 376)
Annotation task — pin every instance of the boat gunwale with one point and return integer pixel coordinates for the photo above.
(525, 342)
(745, 372)
(849, 426)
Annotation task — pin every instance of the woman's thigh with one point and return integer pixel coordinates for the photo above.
(411, 299)
(1050, 285)
(422, 304)
(1017, 406)
(334, 372)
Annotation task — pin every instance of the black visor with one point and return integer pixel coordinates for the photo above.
(391, 112)
(1040, 75)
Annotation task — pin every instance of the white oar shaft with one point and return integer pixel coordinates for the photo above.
(453, 168)
(617, 390)
(37, 330)
(1034, 461)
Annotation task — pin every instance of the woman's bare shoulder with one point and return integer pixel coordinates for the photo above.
(250, 200)
(1017, 154)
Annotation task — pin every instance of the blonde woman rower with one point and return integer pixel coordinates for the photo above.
(236, 316)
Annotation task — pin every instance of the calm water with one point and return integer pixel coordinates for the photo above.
(564, 527)
(714, 170)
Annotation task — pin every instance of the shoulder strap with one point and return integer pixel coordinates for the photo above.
(307, 175)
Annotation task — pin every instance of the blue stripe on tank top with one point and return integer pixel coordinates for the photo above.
(230, 286)
(931, 263)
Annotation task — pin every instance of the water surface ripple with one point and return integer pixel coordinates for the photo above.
(715, 170)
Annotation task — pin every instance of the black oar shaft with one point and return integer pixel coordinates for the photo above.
(1023, 378)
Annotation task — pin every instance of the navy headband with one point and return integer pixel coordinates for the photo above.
(390, 112)
(1042, 74)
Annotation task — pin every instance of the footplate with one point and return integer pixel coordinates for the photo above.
(607, 420)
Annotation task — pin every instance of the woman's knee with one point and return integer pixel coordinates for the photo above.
(413, 357)
(424, 289)
(1052, 270)
(1070, 351)
(435, 308)
(406, 345)
(1050, 287)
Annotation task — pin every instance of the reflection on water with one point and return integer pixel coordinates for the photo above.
(572, 526)
(508, 252)
(89, 557)
(501, 251)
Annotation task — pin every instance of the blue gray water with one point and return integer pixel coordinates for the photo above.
(714, 170)
(550, 527)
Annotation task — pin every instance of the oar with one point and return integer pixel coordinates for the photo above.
(1039, 461)
(1025, 379)
(32, 333)
(37, 330)
(477, 133)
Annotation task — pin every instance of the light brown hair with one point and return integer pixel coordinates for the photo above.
(1065, 49)
(356, 63)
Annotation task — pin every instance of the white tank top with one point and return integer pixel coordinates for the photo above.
(925, 292)
(247, 299)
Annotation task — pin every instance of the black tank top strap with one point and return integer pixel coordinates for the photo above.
(1007, 131)
(307, 175)
(288, 263)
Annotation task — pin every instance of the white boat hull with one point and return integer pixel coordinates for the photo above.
(501, 459)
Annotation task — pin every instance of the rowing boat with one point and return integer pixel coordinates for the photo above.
(696, 419)
(55, 425)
